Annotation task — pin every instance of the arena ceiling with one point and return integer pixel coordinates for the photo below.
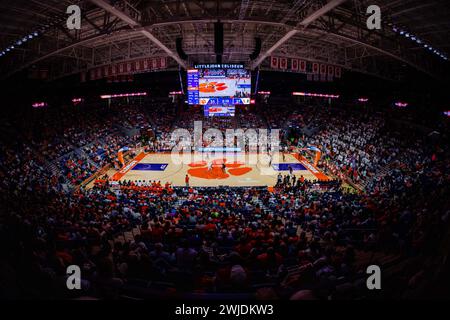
(330, 31)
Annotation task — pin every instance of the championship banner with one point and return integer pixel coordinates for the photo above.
(92, 74)
(315, 68)
(330, 71)
(163, 62)
(283, 63)
(43, 74)
(274, 62)
(294, 64)
(302, 66)
(323, 69)
(128, 67)
(33, 73)
(337, 72)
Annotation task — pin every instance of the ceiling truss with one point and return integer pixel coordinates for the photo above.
(330, 31)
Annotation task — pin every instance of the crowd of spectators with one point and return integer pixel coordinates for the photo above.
(356, 145)
(293, 242)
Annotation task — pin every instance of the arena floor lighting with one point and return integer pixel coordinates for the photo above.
(318, 95)
(39, 104)
(123, 95)
(401, 104)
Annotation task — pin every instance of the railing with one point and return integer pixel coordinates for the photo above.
(93, 177)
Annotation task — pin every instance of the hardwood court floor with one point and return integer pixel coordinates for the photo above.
(207, 170)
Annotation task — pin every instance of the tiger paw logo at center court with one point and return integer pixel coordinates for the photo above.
(202, 170)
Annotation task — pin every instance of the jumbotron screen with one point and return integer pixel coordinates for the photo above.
(219, 111)
(219, 84)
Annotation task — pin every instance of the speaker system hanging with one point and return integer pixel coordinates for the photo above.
(218, 40)
(180, 51)
(257, 50)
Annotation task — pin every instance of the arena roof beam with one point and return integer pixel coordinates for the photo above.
(304, 23)
(243, 9)
(383, 51)
(333, 32)
(119, 14)
(61, 50)
(135, 24)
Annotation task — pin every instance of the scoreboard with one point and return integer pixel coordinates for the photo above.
(219, 84)
(193, 84)
(219, 111)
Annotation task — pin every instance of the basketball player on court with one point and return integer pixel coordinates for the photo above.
(210, 166)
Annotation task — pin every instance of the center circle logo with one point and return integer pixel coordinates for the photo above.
(217, 169)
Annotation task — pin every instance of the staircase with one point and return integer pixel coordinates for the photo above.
(53, 169)
(263, 206)
(380, 174)
(127, 236)
(80, 152)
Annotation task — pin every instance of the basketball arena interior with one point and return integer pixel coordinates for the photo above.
(224, 150)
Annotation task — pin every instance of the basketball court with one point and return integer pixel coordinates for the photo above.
(210, 170)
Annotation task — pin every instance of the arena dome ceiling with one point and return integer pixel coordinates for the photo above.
(332, 31)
